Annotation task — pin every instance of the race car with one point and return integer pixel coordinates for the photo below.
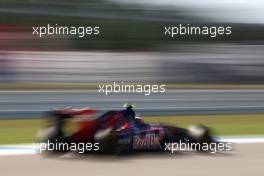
(118, 131)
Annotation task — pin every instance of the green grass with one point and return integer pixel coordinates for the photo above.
(248, 124)
(18, 131)
(24, 131)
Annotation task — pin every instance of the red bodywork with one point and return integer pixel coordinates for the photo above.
(89, 126)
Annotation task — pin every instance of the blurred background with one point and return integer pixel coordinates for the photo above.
(131, 45)
(216, 81)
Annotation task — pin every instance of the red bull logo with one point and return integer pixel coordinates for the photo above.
(147, 141)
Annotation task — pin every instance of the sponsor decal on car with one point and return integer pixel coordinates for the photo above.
(150, 140)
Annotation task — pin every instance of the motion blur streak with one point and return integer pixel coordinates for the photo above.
(217, 63)
(242, 11)
(38, 74)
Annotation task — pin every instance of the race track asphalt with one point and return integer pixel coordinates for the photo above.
(244, 160)
(21, 104)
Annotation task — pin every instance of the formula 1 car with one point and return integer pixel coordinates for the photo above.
(118, 131)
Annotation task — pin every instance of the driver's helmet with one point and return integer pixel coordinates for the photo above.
(129, 106)
(130, 113)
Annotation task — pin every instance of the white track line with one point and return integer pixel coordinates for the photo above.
(30, 149)
(20, 149)
(243, 139)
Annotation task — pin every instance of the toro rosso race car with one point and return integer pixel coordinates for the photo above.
(117, 132)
